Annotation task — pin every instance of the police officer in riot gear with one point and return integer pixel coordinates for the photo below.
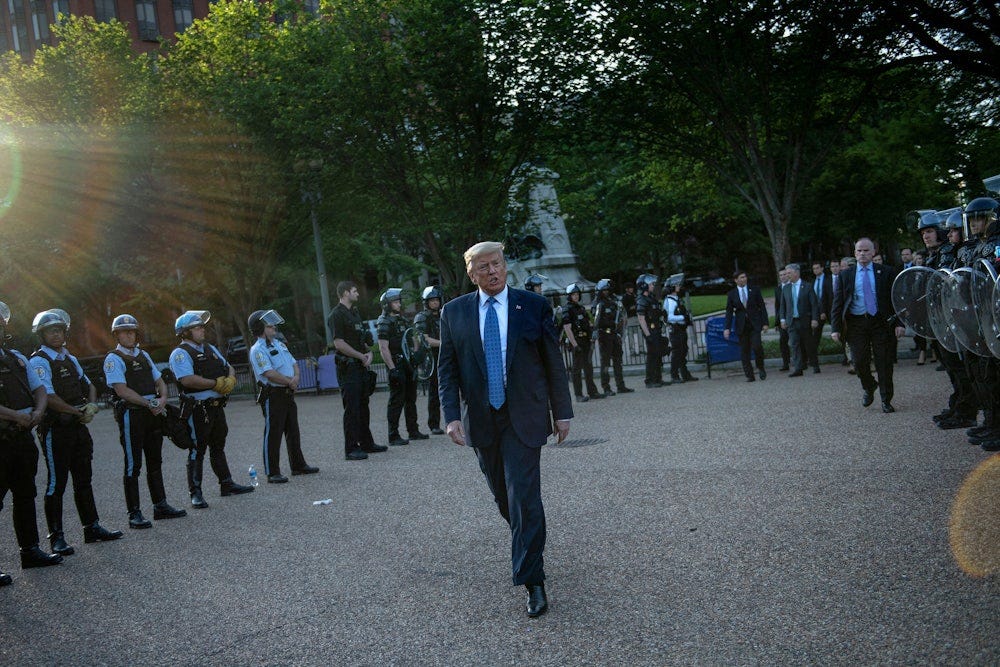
(981, 216)
(534, 282)
(391, 327)
(205, 380)
(277, 375)
(650, 317)
(141, 400)
(579, 333)
(353, 341)
(610, 319)
(679, 320)
(23, 399)
(63, 433)
(428, 323)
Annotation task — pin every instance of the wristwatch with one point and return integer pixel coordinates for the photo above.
(153, 403)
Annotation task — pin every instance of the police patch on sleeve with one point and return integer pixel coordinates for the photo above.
(258, 357)
(109, 366)
(179, 356)
(40, 372)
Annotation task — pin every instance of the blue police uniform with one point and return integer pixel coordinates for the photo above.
(140, 431)
(277, 402)
(66, 442)
(207, 418)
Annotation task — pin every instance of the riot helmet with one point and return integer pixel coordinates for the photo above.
(124, 322)
(190, 320)
(431, 292)
(924, 219)
(982, 209)
(532, 281)
(604, 284)
(645, 282)
(47, 319)
(262, 318)
(388, 296)
(573, 288)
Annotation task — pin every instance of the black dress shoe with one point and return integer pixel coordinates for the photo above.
(690, 378)
(138, 521)
(355, 455)
(276, 479)
(625, 390)
(816, 370)
(375, 449)
(35, 557)
(608, 392)
(417, 435)
(676, 380)
(955, 422)
(582, 399)
(595, 396)
(751, 378)
(306, 470)
(887, 407)
(538, 604)
(197, 502)
(867, 398)
(164, 510)
(95, 532)
(783, 368)
(762, 374)
(437, 431)
(795, 374)
(653, 385)
(231, 488)
(5, 579)
(397, 441)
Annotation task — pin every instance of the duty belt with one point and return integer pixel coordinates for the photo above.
(607, 331)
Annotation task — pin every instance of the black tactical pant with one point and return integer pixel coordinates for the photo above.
(963, 400)
(583, 368)
(402, 399)
(281, 418)
(141, 434)
(18, 466)
(985, 375)
(610, 345)
(654, 357)
(208, 419)
(68, 449)
(352, 377)
(678, 352)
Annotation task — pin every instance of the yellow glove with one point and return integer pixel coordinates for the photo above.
(230, 384)
(220, 384)
(89, 410)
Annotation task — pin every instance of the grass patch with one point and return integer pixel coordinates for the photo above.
(707, 303)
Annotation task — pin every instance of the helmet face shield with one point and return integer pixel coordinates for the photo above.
(191, 319)
(271, 318)
(48, 319)
(603, 284)
(431, 292)
(124, 322)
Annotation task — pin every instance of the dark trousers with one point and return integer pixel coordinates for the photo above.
(583, 368)
(815, 337)
(610, 346)
(18, 466)
(403, 399)
(512, 472)
(281, 418)
(786, 350)
(963, 400)
(654, 357)
(678, 352)
(985, 375)
(750, 342)
(433, 402)
(870, 336)
(800, 342)
(210, 430)
(141, 433)
(353, 380)
(68, 450)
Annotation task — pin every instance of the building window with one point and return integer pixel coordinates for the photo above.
(19, 26)
(145, 15)
(4, 36)
(60, 7)
(40, 21)
(183, 14)
(104, 10)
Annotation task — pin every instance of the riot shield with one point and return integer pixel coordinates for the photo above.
(418, 353)
(965, 321)
(984, 281)
(909, 298)
(938, 314)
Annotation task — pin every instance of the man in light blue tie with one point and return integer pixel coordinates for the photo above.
(864, 316)
(503, 387)
(799, 315)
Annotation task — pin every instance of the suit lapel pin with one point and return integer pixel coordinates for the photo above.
(517, 307)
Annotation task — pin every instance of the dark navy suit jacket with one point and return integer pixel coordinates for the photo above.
(537, 390)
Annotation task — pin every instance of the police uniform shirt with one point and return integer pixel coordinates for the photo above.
(43, 370)
(182, 366)
(271, 356)
(670, 306)
(114, 367)
(34, 382)
(348, 326)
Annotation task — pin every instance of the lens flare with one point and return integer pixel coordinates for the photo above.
(10, 170)
(974, 529)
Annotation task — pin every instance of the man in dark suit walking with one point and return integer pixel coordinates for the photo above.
(745, 308)
(863, 315)
(502, 383)
(786, 352)
(823, 287)
(799, 315)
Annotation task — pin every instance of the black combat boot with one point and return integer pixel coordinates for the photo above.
(135, 518)
(53, 517)
(228, 487)
(34, 557)
(194, 469)
(161, 508)
(95, 532)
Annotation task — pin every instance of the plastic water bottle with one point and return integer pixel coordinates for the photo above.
(253, 477)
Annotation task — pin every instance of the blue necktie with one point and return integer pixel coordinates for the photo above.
(494, 355)
(795, 300)
(870, 304)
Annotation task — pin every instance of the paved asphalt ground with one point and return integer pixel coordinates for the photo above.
(717, 522)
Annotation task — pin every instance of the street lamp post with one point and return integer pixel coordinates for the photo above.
(324, 289)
